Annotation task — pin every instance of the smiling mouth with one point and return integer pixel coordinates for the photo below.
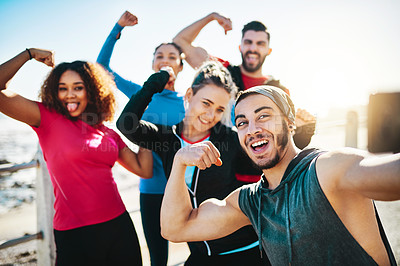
(204, 122)
(259, 145)
(161, 66)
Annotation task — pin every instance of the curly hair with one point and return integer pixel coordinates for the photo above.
(99, 86)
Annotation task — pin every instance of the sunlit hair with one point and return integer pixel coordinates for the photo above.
(177, 47)
(256, 26)
(213, 72)
(99, 85)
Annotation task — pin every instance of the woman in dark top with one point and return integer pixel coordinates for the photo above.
(208, 102)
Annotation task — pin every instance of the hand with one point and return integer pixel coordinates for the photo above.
(303, 117)
(128, 19)
(44, 56)
(156, 82)
(172, 76)
(202, 155)
(225, 22)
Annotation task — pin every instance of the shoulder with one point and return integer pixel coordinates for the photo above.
(247, 196)
(225, 63)
(340, 157)
(107, 130)
(249, 190)
(332, 166)
(276, 83)
(47, 114)
(44, 108)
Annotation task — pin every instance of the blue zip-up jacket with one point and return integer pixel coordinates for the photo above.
(165, 108)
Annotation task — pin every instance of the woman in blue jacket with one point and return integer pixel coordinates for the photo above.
(165, 108)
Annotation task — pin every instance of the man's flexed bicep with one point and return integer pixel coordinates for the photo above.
(214, 218)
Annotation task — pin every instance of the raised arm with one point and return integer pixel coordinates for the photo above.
(140, 163)
(214, 218)
(196, 56)
(12, 104)
(129, 123)
(126, 20)
(305, 128)
(354, 171)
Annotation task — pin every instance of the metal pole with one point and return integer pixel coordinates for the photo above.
(351, 129)
(46, 253)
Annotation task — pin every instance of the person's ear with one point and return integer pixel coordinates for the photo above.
(152, 66)
(189, 95)
(180, 69)
(292, 128)
(269, 51)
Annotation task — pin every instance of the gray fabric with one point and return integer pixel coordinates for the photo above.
(297, 224)
(278, 96)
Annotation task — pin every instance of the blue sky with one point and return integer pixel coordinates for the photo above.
(328, 53)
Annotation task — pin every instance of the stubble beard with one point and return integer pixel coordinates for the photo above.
(255, 68)
(282, 141)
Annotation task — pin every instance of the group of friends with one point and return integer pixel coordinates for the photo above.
(224, 168)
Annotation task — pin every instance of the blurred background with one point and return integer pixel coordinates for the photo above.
(330, 54)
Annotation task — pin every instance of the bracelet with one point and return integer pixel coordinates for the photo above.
(29, 52)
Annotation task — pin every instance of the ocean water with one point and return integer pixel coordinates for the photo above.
(18, 144)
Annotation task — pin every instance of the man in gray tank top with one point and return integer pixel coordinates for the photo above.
(310, 207)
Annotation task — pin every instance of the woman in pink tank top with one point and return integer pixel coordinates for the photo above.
(91, 225)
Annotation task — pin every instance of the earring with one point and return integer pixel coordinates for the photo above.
(185, 104)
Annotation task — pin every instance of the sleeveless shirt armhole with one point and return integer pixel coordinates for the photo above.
(244, 199)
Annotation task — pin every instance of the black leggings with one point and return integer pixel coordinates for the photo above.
(110, 243)
(150, 205)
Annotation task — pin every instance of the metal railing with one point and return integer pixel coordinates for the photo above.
(21, 240)
(44, 210)
(10, 168)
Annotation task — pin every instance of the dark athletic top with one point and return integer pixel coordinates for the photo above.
(296, 222)
(213, 182)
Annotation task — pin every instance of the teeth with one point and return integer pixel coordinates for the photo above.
(259, 143)
(252, 57)
(204, 122)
